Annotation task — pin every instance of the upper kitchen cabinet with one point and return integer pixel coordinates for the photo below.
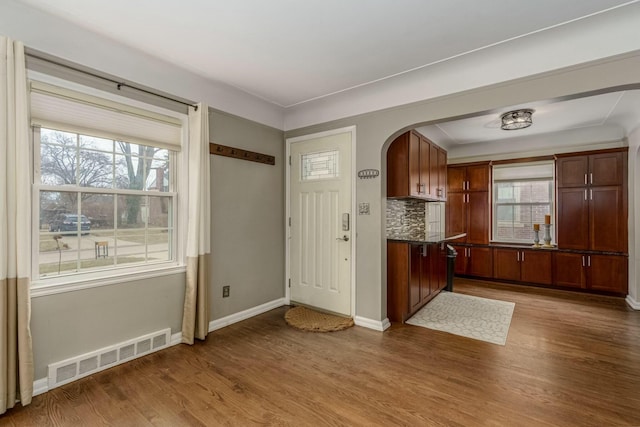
(468, 178)
(415, 168)
(606, 168)
(438, 171)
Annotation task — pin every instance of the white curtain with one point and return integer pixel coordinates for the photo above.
(16, 356)
(195, 320)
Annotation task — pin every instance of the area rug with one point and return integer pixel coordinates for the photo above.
(314, 321)
(473, 317)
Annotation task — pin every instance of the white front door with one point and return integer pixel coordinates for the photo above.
(321, 222)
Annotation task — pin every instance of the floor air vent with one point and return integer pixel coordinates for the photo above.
(72, 369)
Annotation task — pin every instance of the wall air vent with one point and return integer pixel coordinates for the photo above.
(74, 368)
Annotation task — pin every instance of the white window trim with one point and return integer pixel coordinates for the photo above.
(116, 275)
(42, 288)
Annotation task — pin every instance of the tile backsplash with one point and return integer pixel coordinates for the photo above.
(410, 218)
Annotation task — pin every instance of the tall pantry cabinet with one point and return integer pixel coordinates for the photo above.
(468, 211)
(592, 221)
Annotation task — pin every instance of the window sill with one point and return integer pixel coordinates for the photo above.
(42, 288)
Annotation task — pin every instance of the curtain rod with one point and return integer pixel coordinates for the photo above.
(119, 84)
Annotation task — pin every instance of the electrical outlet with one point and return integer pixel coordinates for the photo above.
(225, 291)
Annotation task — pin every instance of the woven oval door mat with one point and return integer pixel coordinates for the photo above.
(305, 319)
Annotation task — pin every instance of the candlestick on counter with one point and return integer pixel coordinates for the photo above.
(547, 232)
(536, 235)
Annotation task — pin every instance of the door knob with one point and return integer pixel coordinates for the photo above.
(345, 238)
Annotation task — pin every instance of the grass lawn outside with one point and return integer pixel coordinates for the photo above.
(69, 266)
(48, 244)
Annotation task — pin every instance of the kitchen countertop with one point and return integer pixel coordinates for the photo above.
(429, 238)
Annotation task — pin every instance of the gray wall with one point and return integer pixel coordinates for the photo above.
(376, 130)
(73, 323)
(247, 216)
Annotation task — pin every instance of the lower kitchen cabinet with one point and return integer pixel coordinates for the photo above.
(524, 265)
(606, 273)
(474, 261)
(438, 267)
(569, 270)
(414, 276)
(419, 276)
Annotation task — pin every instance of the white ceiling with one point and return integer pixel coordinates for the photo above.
(619, 110)
(290, 52)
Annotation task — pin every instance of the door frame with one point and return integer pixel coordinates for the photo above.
(287, 228)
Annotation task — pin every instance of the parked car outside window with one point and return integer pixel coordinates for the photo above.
(69, 223)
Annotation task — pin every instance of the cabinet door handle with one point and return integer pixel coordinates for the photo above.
(591, 177)
(583, 260)
(585, 194)
(589, 261)
(523, 256)
(591, 194)
(585, 179)
(518, 256)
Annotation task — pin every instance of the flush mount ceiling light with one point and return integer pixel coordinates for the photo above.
(518, 119)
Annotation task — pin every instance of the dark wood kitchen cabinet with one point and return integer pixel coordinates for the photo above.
(592, 201)
(464, 178)
(419, 276)
(468, 204)
(438, 172)
(414, 277)
(603, 168)
(524, 265)
(415, 168)
(604, 273)
(474, 261)
(438, 259)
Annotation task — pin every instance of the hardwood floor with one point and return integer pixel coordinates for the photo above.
(570, 359)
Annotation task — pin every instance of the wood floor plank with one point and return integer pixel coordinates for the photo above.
(570, 359)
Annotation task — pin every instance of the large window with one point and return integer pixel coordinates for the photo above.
(522, 196)
(103, 201)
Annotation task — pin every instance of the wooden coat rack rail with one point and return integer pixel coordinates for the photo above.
(239, 153)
